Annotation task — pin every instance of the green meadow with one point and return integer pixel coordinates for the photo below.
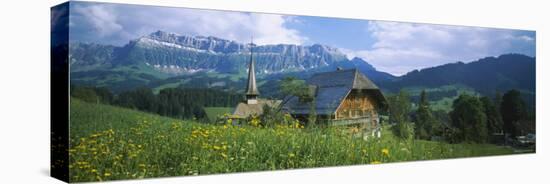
(109, 143)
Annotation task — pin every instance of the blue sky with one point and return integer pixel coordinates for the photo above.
(392, 47)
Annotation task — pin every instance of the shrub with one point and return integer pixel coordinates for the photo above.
(403, 130)
(272, 116)
(86, 94)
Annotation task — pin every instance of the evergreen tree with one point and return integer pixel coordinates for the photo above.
(513, 110)
(424, 119)
(494, 120)
(498, 101)
(104, 95)
(86, 94)
(145, 99)
(177, 102)
(400, 108)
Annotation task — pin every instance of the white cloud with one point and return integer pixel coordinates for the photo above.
(102, 19)
(117, 23)
(350, 54)
(398, 47)
(526, 38)
(403, 47)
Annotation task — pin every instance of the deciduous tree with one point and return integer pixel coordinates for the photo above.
(469, 118)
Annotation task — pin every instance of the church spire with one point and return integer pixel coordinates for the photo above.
(251, 88)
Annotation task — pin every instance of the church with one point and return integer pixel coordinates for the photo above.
(253, 105)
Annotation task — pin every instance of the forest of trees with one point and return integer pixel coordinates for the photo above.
(472, 118)
(184, 103)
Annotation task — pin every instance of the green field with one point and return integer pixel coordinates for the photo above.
(212, 113)
(157, 89)
(108, 143)
(445, 103)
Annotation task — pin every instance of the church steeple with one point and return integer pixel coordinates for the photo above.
(251, 88)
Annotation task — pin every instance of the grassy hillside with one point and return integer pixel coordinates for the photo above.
(115, 143)
(212, 113)
(486, 75)
(440, 98)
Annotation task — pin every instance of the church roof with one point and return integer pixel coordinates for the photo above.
(331, 89)
(251, 87)
(244, 110)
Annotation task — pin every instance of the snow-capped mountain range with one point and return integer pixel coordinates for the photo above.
(175, 54)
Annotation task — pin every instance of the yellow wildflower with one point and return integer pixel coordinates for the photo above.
(255, 122)
(375, 162)
(385, 152)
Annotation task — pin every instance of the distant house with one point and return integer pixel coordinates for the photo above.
(342, 97)
(253, 106)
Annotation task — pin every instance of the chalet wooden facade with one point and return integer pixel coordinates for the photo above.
(342, 97)
(358, 103)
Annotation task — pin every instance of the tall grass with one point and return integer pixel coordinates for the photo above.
(108, 143)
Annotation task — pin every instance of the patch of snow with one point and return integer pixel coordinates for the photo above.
(192, 70)
(152, 42)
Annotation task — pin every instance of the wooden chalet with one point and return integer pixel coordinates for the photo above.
(342, 97)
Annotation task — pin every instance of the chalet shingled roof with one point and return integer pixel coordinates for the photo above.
(244, 110)
(331, 89)
(351, 78)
